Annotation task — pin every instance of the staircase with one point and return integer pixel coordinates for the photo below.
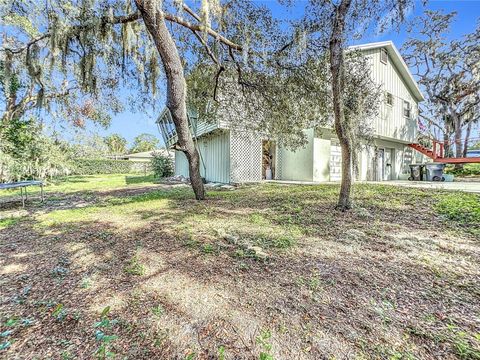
(437, 156)
(424, 150)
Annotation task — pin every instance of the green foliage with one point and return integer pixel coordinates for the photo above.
(144, 142)
(463, 208)
(7, 222)
(105, 340)
(466, 170)
(158, 310)
(116, 144)
(162, 165)
(134, 267)
(26, 152)
(475, 146)
(103, 166)
(264, 341)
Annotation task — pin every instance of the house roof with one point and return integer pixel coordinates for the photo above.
(147, 154)
(397, 59)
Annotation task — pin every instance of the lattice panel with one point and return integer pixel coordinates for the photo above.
(245, 156)
(278, 163)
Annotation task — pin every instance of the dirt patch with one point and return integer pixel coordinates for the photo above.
(383, 282)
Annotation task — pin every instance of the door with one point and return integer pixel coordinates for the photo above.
(387, 173)
(384, 164)
(380, 164)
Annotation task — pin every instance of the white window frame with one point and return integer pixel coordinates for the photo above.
(407, 111)
(384, 56)
(388, 96)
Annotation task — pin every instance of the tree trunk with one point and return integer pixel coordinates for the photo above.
(467, 138)
(341, 127)
(457, 123)
(446, 141)
(176, 88)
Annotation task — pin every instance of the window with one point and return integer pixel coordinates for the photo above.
(406, 109)
(389, 98)
(383, 56)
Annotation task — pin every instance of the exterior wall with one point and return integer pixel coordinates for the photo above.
(214, 151)
(321, 159)
(245, 156)
(402, 157)
(298, 165)
(391, 123)
(181, 164)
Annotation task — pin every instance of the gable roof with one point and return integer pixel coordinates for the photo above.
(398, 61)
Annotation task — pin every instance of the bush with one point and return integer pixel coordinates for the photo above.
(102, 166)
(467, 170)
(27, 153)
(162, 166)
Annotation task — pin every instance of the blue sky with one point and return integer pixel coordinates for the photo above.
(130, 124)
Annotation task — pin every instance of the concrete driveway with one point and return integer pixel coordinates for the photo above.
(467, 186)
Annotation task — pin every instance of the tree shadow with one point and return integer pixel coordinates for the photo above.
(129, 180)
(331, 294)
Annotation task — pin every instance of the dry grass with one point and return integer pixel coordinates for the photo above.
(176, 278)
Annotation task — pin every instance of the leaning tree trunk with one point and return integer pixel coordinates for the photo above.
(467, 138)
(341, 127)
(176, 88)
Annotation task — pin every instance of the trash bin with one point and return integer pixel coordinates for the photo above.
(416, 172)
(435, 172)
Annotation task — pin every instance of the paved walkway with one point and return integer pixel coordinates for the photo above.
(467, 186)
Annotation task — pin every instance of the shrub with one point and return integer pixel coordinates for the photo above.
(27, 153)
(162, 166)
(103, 166)
(467, 170)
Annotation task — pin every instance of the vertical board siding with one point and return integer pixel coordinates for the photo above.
(214, 158)
(215, 155)
(391, 123)
(181, 164)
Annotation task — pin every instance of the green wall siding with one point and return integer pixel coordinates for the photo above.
(298, 165)
(214, 151)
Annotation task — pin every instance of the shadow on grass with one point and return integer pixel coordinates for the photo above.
(129, 180)
(335, 296)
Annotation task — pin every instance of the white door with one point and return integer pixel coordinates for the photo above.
(387, 174)
(384, 164)
(380, 164)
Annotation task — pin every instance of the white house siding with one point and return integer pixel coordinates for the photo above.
(214, 151)
(391, 123)
(298, 165)
(321, 159)
(245, 156)
(181, 164)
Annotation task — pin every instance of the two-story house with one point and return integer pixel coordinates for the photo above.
(234, 156)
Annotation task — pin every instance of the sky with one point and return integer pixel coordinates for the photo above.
(130, 124)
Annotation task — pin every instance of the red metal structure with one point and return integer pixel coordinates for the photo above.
(437, 154)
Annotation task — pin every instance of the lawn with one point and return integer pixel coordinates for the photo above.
(117, 266)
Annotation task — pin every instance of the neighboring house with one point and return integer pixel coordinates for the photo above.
(146, 156)
(229, 155)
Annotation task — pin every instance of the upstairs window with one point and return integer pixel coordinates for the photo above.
(406, 109)
(384, 56)
(389, 98)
